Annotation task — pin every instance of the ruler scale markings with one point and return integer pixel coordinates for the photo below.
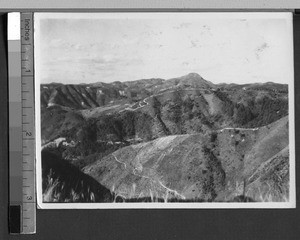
(27, 94)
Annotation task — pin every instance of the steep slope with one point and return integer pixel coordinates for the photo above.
(271, 139)
(62, 182)
(271, 179)
(209, 167)
(169, 167)
(79, 96)
(57, 122)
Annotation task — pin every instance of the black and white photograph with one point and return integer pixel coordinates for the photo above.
(164, 110)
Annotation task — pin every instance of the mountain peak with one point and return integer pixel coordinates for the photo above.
(193, 75)
(193, 80)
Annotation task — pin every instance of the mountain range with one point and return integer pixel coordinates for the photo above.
(183, 138)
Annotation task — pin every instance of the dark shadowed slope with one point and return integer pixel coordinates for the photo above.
(62, 182)
(57, 121)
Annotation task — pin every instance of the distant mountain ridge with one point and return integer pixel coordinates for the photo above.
(85, 96)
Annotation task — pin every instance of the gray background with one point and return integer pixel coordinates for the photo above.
(167, 4)
(165, 224)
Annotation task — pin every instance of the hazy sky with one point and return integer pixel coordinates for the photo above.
(241, 48)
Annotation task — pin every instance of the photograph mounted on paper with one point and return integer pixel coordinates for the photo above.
(164, 110)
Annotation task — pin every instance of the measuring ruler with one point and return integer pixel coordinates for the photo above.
(22, 130)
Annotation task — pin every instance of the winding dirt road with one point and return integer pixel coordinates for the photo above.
(154, 181)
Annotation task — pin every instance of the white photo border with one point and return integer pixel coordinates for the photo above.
(212, 205)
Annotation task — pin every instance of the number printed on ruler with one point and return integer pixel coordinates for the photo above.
(27, 107)
(28, 126)
(27, 46)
